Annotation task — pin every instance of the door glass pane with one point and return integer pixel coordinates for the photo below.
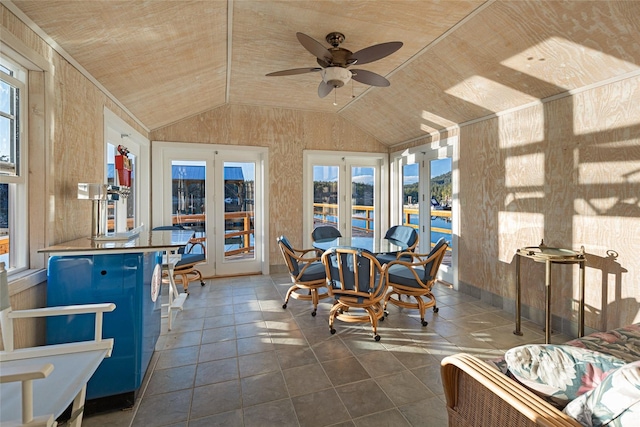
(362, 202)
(325, 196)
(441, 196)
(239, 194)
(188, 196)
(410, 206)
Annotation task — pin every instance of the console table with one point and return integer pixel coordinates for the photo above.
(548, 256)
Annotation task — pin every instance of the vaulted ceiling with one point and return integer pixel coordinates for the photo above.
(166, 60)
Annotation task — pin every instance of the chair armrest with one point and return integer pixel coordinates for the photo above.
(105, 345)
(25, 373)
(466, 378)
(97, 309)
(64, 310)
(196, 241)
(301, 255)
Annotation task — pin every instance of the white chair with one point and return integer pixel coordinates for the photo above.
(37, 384)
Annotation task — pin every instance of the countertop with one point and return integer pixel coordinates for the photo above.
(145, 241)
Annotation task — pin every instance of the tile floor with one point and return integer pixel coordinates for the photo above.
(235, 358)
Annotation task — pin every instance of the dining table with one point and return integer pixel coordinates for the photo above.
(371, 244)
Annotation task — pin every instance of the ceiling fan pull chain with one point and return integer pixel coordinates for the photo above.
(335, 94)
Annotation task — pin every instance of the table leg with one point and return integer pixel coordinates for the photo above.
(581, 302)
(518, 331)
(547, 286)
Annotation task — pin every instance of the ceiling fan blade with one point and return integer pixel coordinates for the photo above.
(324, 89)
(315, 47)
(294, 71)
(375, 52)
(369, 78)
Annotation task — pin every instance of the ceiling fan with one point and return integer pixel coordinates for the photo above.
(335, 61)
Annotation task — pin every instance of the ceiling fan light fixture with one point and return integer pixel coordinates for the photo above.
(336, 76)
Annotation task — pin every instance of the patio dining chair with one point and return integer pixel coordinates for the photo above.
(190, 257)
(325, 232)
(307, 274)
(401, 235)
(415, 279)
(37, 384)
(357, 281)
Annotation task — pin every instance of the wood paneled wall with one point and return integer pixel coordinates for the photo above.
(74, 151)
(287, 133)
(75, 132)
(567, 171)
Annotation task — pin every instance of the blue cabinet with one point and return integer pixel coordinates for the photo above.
(126, 280)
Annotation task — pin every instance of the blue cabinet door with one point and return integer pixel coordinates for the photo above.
(124, 279)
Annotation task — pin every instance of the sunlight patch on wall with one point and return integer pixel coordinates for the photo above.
(622, 172)
(609, 206)
(612, 106)
(515, 234)
(600, 234)
(522, 196)
(524, 171)
(522, 127)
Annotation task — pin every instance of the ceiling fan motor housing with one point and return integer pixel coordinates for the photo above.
(336, 76)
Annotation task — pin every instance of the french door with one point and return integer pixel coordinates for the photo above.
(219, 194)
(424, 197)
(347, 191)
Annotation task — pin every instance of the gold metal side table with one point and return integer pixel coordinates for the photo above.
(550, 256)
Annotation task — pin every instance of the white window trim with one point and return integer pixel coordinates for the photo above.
(19, 203)
(37, 152)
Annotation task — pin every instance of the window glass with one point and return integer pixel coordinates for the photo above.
(13, 188)
(325, 196)
(9, 99)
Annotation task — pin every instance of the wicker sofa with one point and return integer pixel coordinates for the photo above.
(478, 393)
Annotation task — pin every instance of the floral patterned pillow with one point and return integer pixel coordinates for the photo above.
(615, 402)
(559, 373)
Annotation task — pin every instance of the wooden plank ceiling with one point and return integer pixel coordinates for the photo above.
(461, 60)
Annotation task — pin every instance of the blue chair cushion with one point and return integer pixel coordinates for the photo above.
(402, 234)
(190, 259)
(294, 262)
(325, 232)
(385, 258)
(315, 271)
(402, 275)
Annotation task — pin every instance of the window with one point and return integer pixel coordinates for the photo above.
(132, 176)
(13, 176)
